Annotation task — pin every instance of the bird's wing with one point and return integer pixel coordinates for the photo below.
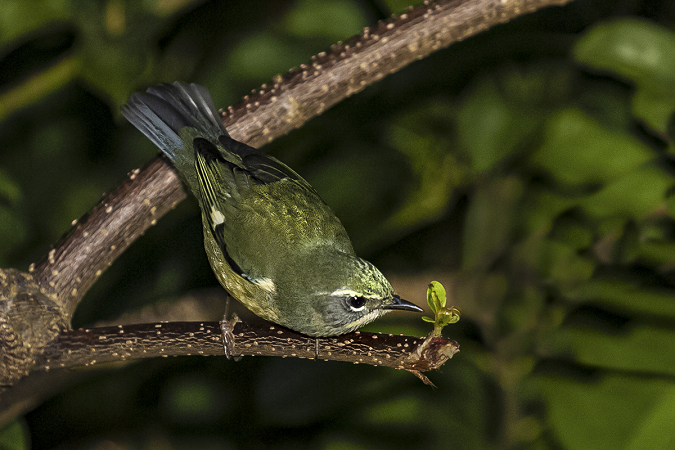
(257, 208)
(261, 167)
(219, 193)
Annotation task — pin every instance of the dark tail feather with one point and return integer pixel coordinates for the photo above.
(162, 111)
(195, 103)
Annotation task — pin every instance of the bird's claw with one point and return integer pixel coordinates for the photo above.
(227, 328)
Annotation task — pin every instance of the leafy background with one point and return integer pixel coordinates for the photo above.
(530, 168)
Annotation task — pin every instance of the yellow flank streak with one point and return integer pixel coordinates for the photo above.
(257, 298)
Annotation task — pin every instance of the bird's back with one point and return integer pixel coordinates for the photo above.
(256, 207)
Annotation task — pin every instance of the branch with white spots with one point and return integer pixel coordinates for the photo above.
(87, 347)
(290, 100)
(97, 239)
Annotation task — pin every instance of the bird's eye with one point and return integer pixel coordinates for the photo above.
(356, 303)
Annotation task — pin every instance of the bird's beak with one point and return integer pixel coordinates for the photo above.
(399, 304)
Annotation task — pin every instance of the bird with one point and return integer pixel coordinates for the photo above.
(271, 241)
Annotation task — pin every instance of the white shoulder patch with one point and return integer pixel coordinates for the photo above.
(217, 217)
(267, 284)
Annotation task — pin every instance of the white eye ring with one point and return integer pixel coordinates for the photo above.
(356, 303)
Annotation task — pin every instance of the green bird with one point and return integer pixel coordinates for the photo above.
(272, 242)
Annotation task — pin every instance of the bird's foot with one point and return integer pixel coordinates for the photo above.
(227, 328)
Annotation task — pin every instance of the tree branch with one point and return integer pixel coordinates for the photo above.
(86, 347)
(97, 239)
(290, 100)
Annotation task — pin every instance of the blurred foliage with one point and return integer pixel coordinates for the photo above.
(14, 436)
(532, 165)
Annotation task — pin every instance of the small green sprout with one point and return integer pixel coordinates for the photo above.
(436, 300)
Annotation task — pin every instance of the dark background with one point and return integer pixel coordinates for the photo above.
(530, 169)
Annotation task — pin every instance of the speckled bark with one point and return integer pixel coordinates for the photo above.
(87, 347)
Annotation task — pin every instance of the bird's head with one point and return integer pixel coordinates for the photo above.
(349, 293)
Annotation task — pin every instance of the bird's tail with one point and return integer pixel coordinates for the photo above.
(163, 111)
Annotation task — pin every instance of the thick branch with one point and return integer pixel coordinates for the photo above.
(98, 238)
(290, 100)
(86, 347)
